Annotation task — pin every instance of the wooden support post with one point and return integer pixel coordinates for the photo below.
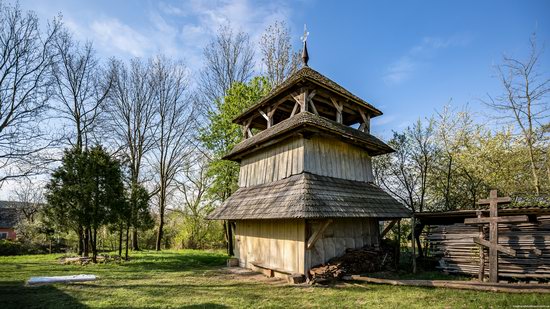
(295, 109)
(246, 129)
(365, 125)
(229, 238)
(481, 274)
(339, 108)
(309, 100)
(268, 116)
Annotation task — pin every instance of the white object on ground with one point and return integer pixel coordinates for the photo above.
(61, 279)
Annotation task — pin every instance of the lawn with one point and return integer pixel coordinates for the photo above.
(197, 279)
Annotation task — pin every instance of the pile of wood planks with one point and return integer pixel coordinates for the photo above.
(355, 261)
(457, 252)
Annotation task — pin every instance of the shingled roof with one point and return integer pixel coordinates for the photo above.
(306, 121)
(310, 196)
(307, 73)
(8, 217)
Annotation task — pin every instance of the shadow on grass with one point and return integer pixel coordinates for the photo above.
(16, 295)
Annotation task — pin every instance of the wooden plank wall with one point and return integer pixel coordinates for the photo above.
(340, 235)
(273, 163)
(278, 244)
(454, 246)
(331, 157)
(318, 155)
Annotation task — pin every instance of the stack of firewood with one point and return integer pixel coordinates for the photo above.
(355, 261)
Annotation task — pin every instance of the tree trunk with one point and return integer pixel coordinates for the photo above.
(127, 241)
(159, 233)
(120, 242)
(86, 242)
(94, 245)
(448, 187)
(161, 220)
(536, 183)
(80, 241)
(135, 243)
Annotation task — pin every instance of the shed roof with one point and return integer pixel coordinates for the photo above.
(309, 74)
(310, 196)
(8, 217)
(308, 122)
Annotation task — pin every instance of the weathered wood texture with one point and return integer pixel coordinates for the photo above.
(319, 155)
(273, 163)
(274, 244)
(458, 253)
(338, 236)
(331, 157)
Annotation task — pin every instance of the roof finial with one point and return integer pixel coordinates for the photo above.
(305, 56)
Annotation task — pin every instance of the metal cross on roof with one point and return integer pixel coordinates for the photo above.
(305, 56)
(306, 34)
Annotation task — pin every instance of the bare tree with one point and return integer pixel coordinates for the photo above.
(277, 55)
(397, 172)
(423, 153)
(31, 198)
(174, 116)
(132, 117)
(229, 58)
(82, 87)
(25, 86)
(193, 185)
(525, 103)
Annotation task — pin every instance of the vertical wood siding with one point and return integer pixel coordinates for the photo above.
(331, 157)
(277, 244)
(318, 155)
(273, 163)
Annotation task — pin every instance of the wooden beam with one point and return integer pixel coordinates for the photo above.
(313, 239)
(268, 116)
(388, 228)
(263, 114)
(309, 100)
(506, 219)
(295, 109)
(246, 128)
(499, 200)
(489, 245)
(313, 108)
(339, 107)
(365, 127)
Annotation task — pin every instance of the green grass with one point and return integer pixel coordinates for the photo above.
(195, 279)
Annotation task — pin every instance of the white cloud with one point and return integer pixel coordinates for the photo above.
(404, 67)
(111, 34)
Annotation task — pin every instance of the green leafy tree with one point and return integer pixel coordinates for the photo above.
(84, 192)
(222, 134)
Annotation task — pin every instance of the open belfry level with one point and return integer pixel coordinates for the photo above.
(306, 190)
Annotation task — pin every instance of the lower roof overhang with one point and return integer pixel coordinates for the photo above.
(310, 196)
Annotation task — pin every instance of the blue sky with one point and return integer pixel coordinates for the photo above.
(408, 58)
